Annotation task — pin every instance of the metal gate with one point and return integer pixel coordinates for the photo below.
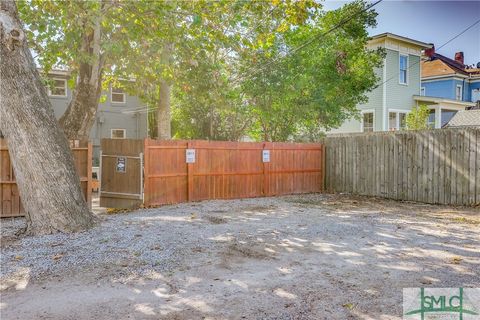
(121, 173)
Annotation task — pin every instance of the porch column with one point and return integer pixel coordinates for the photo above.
(438, 117)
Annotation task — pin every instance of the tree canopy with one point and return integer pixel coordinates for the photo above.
(271, 70)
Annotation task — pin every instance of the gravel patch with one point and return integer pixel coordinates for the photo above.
(294, 257)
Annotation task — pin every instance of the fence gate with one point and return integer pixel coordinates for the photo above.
(121, 173)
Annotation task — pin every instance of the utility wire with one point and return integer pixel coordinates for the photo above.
(146, 110)
(420, 60)
(309, 42)
(303, 45)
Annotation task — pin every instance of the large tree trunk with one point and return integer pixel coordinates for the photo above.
(41, 157)
(78, 119)
(163, 110)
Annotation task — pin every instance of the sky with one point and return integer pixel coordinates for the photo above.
(431, 22)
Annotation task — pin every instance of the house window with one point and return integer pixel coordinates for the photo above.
(422, 91)
(367, 123)
(403, 69)
(458, 92)
(475, 95)
(117, 96)
(396, 120)
(57, 88)
(118, 133)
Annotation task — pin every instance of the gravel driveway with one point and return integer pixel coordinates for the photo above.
(294, 257)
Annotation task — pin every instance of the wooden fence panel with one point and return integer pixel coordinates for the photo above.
(431, 166)
(11, 204)
(228, 170)
(121, 188)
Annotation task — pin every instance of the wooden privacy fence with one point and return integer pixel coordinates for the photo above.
(432, 166)
(121, 187)
(11, 204)
(227, 170)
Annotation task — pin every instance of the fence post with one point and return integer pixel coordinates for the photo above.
(322, 167)
(265, 172)
(141, 178)
(89, 175)
(146, 168)
(190, 174)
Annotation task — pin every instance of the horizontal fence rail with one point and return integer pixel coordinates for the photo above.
(228, 170)
(432, 166)
(11, 204)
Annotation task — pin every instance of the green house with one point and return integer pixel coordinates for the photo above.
(400, 81)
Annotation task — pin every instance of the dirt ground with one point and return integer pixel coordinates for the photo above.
(293, 257)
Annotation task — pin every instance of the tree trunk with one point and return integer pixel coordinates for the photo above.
(41, 157)
(78, 119)
(163, 110)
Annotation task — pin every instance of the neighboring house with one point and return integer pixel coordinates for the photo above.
(448, 86)
(399, 82)
(121, 116)
(465, 118)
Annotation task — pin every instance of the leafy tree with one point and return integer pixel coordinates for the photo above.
(417, 119)
(204, 41)
(86, 37)
(42, 161)
(318, 86)
(212, 61)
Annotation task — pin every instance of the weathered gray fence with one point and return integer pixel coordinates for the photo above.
(433, 166)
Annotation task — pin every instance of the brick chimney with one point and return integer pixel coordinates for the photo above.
(459, 57)
(429, 52)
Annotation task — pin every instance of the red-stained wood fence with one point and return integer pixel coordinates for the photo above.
(11, 204)
(228, 170)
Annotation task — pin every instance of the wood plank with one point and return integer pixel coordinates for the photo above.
(477, 167)
(10, 202)
(448, 166)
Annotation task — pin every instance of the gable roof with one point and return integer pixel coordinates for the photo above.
(420, 44)
(439, 65)
(432, 68)
(465, 118)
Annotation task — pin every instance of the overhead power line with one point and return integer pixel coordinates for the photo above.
(309, 41)
(420, 60)
(301, 46)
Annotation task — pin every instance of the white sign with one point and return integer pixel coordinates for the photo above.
(190, 155)
(121, 165)
(266, 155)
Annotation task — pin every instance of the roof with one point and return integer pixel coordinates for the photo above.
(401, 38)
(438, 100)
(439, 65)
(454, 65)
(432, 68)
(57, 72)
(465, 118)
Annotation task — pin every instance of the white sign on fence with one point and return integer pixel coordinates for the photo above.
(121, 165)
(266, 155)
(190, 155)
